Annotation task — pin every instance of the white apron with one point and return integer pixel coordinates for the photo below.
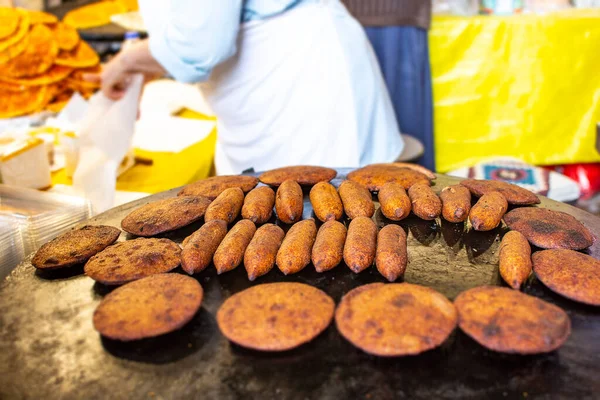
(303, 88)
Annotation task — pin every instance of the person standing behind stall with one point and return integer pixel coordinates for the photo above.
(397, 30)
(291, 81)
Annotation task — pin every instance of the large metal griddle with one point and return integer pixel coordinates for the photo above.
(49, 349)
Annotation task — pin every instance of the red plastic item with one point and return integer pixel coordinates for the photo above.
(587, 175)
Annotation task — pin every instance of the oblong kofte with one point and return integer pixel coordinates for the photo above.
(549, 229)
(356, 199)
(508, 321)
(361, 244)
(395, 319)
(275, 316)
(305, 175)
(74, 247)
(512, 193)
(374, 176)
(165, 215)
(226, 207)
(296, 248)
(258, 205)
(148, 307)
(212, 187)
(134, 259)
(569, 273)
(326, 202)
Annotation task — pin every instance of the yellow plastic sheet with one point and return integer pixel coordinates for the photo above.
(526, 86)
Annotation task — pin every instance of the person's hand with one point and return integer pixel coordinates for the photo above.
(114, 78)
(117, 74)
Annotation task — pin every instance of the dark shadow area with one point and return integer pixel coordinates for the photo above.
(453, 233)
(426, 232)
(62, 273)
(167, 348)
(101, 290)
(477, 243)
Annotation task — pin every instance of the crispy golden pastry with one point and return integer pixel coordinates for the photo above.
(230, 252)
(66, 36)
(456, 203)
(306, 175)
(392, 255)
(289, 202)
(132, 260)
(549, 229)
(360, 246)
(295, 251)
(16, 103)
(93, 15)
(148, 307)
(41, 17)
(356, 199)
(258, 205)
(165, 215)
(425, 203)
(55, 74)
(395, 319)
(214, 186)
(487, 213)
(374, 176)
(515, 259)
(9, 21)
(260, 254)
(508, 321)
(82, 56)
(328, 250)
(226, 206)
(200, 246)
(569, 273)
(395, 203)
(275, 316)
(37, 57)
(512, 193)
(15, 37)
(74, 247)
(326, 202)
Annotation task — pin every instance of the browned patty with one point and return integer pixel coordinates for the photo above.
(148, 307)
(549, 229)
(306, 175)
(134, 259)
(165, 215)
(275, 316)
(509, 321)
(569, 273)
(74, 247)
(214, 186)
(514, 194)
(374, 176)
(395, 319)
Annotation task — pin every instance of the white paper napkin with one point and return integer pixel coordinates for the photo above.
(105, 134)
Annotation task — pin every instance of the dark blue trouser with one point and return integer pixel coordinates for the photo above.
(403, 53)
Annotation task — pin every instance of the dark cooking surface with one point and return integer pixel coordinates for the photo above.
(49, 349)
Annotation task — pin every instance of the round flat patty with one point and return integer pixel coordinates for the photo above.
(165, 215)
(275, 316)
(134, 259)
(74, 247)
(549, 229)
(374, 176)
(148, 307)
(571, 274)
(214, 186)
(395, 319)
(307, 175)
(514, 194)
(508, 321)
